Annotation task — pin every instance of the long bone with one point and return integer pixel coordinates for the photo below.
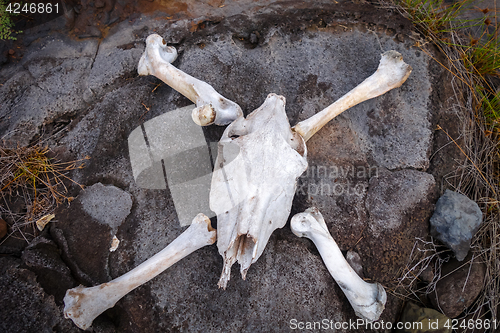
(391, 73)
(211, 107)
(259, 161)
(83, 305)
(367, 299)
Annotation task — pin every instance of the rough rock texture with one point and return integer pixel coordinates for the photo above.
(455, 221)
(26, 306)
(459, 286)
(86, 235)
(367, 170)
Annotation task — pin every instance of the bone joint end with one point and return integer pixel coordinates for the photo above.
(204, 115)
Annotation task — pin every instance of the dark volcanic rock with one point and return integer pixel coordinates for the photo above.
(43, 258)
(399, 205)
(459, 286)
(25, 305)
(87, 227)
(455, 221)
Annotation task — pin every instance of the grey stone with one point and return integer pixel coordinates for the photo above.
(47, 85)
(393, 194)
(455, 221)
(107, 204)
(398, 204)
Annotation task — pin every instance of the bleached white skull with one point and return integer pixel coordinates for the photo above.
(252, 194)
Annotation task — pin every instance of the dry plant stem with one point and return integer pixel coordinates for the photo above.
(211, 107)
(392, 72)
(367, 299)
(83, 305)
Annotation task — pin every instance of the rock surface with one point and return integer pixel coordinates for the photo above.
(459, 286)
(455, 221)
(367, 168)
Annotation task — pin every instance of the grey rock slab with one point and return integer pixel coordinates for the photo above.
(311, 54)
(47, 86)
(455, 221)
(393, 194)
(108, 66)
(107, 204)
(399, 204)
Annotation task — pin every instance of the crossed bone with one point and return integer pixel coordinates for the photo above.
(259, 160)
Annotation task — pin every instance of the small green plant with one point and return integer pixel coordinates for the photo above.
(6, 22)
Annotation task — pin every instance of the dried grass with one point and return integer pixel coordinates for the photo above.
(472, 61)
(32, 185)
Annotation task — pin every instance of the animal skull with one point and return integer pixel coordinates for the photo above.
(83, 305)
(252, 195)
(367, 299)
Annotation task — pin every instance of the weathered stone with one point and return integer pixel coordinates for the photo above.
(25, 305)
(460, 284)
(106, 204)
(399, 205)
(87, 227)
(47, 85)
(419, 320)
(42, 257)
(455, 221)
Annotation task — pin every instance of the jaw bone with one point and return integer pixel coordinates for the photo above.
(252, 194)
(367, 299)
(211, 107)
(391, 73)
(83, 305)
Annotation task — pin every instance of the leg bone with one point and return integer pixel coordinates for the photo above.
(83, 305)
(392, 72)
(211, 107)
(367, 299)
